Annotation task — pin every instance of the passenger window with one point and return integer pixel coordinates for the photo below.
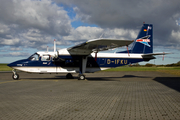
(45, 58)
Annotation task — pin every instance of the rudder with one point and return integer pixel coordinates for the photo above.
(144, 41)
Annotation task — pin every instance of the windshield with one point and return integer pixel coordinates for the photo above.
(34, 57)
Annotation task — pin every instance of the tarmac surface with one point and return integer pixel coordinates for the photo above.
(103, 96)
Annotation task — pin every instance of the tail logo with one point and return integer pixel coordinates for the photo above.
(144, 40)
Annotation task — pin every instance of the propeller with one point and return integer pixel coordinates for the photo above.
(96, 56)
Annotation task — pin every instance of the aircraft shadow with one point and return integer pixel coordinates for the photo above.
(171, 82)
(130, 76)
(96, 78)
(43, 78)
(113, 78)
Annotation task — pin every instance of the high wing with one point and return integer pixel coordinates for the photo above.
(97, 45)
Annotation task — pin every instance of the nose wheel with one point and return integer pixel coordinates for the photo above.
(15, 76)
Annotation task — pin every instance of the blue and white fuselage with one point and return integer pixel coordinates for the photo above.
(44, 63)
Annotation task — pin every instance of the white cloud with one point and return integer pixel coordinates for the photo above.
(127, 15)
(15, 54)
(176, 35)
(15, 49)
(18, 54)
(121, 33)
(32, 23)
(88, 33)
(3, 28)
(43, 15)
(80, 15)
(83, 33)
(12, 41)
(36, 23)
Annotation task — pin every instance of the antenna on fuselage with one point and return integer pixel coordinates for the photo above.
(54, 45)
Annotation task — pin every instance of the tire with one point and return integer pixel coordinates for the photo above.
(69, 76)
(81, 77)
(15, 76)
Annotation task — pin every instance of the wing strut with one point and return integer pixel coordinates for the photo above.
(163, 57)
(127, 50)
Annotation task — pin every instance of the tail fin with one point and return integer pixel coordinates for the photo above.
(144, 40)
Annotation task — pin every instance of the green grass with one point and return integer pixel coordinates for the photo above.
(4, 67)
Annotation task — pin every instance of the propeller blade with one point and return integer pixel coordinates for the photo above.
(95, 56)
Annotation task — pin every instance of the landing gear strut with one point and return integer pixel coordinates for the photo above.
(82, 68)
(15, 76)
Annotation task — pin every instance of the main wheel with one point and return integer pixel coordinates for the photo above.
(69, 76)
(81, 77)
(15, 76)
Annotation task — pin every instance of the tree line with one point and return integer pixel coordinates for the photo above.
(153, 65)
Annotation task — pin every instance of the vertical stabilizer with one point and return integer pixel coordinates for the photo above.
(144, 40)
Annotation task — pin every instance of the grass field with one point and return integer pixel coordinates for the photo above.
(4, 67)
(169, 70)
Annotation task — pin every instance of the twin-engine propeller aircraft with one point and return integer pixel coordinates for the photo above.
(84, 58)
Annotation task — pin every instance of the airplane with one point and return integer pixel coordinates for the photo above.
(85, 57)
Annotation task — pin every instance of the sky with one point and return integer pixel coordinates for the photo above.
(28, 26)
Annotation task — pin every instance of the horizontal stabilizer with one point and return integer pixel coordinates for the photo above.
(152, 54)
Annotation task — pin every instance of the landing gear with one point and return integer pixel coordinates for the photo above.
(69, 76)
(15, 76)
(81, 77)
(82, 68)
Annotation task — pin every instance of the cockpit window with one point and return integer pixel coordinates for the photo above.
(34, 57)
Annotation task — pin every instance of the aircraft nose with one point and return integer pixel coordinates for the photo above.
(17, 63)
(12, 64)
(9, 64)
